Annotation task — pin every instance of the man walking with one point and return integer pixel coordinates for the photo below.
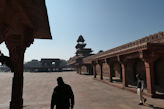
(62, 96)
(140, 88)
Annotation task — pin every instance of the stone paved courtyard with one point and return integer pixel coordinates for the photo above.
(89, 93)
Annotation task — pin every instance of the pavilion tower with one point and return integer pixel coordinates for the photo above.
(80, 48)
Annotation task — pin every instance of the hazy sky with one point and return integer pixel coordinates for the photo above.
(103, 23)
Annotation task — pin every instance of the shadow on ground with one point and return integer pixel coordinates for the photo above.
(152, 106)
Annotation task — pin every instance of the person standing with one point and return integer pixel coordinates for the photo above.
(140, 88)
(62, 96)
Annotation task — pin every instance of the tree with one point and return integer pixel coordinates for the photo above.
(63, 63)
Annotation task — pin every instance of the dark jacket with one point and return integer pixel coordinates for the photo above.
(62, 97)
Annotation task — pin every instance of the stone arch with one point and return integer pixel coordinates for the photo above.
(159, 74)
(90, 69)
(98, 69)
(117, 71)
(105, 68)
(83, 69)
(131, 75)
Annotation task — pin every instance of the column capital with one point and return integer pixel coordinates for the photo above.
(121, 60)
(94, 62)
(101, 61)
(111, 60)
(147, 56)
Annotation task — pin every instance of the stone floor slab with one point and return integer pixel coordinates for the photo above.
(89, 93)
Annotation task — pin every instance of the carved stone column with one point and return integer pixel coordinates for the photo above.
(94, 69)
(101, 69)
(149, 67)
(16, 51)
(124, 75)
(149, 58)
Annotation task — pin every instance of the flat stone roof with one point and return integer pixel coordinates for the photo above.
(140, 44)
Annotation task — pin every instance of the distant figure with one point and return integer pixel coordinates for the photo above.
(62, 96)
(140, 88)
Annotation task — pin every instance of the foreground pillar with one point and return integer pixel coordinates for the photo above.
(17, 86)
(16, 51)
(17, 93)
(149, 67)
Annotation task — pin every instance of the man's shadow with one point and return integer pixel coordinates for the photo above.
(152, 106)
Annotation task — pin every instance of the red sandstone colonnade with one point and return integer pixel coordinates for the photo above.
(146, 61)
(121, 64)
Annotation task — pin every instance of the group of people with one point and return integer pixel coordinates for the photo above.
(63, 96)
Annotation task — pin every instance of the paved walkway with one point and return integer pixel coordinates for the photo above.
(89, 93)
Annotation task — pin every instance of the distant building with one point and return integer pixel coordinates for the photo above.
(45, 65)
(4, 68)
(33, 63)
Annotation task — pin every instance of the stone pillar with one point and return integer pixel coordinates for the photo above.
(16, 52)
(101, 70)
(101, 67)
(94, 69)
(149, 67)
(110, 72)
(124, 75)
(17, 92)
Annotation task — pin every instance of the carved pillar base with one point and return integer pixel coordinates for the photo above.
(17, 92)
(17, 86)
